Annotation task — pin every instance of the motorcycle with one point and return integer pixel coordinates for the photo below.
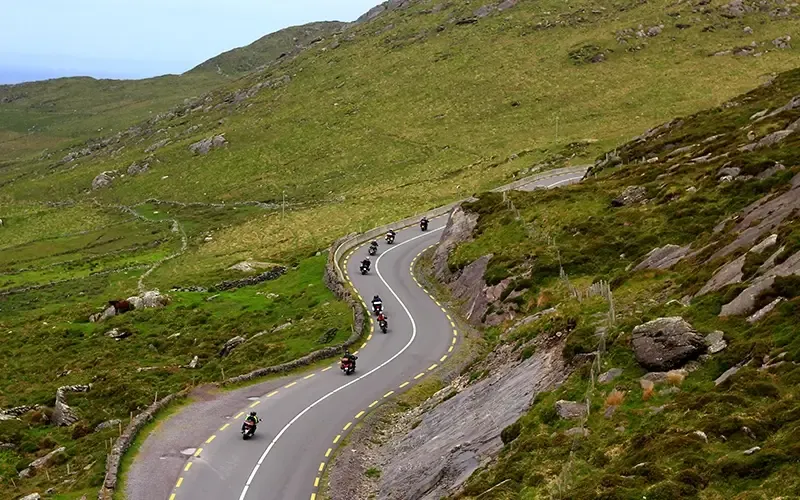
(423, 224)
(373, 250)
(390, 238)
(384, 325)
(377, 307)
(248, 430)
(347, 366)
(364, 269)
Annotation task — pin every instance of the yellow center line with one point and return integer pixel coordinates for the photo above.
(321, 466)
(455, 333)
(419, 376)
(256, 403)
(404, 384)
(328, 453)
(224, 427)
(437, 303)
(313, 496)
(308, 376)
(369, 337)
(188, 466)
(172, 497)
(289, 385)
(213, 436)
(443, 358)
(355, 352)
(179, 483)
(388, 394)
(197, 453)
(316, 483)
(337, 438)
(432, 366)
(347, 426)
(373, 404)
(272, 394)
(452, 323)
(450, 349)
(444, 310)
(363, 345)
(360, 414)
(449, 318)
(326, 369)
(239, 414)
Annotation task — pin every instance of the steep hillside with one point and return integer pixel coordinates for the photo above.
(288, 41)
(683, 376)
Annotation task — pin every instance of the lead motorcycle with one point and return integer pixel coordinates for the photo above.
(348, 366)
(248, 430)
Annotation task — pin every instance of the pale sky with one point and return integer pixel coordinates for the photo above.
(142, 38)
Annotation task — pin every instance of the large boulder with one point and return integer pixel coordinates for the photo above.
(630, 196)
(153, 299)
(203, 147)
(103, 180)
(666, 343)
(570, 409)
(230, 345)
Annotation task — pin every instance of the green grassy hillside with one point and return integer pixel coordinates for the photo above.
(420, 106)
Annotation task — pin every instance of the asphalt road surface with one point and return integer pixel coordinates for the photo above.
(304, 417)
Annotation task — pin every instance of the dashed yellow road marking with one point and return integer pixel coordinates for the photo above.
(316, 482)
(224, 427)
(179, 483)
(172, 497)
(321, 466)
(449, 318)
(453, 324)
(188, 466)
(432, 366)
(441, 360)
(419, 376)
(239, 414)
(373, 404)
(360, 414)
(328, 453)
(313, 496)
(450, 349)
(326, 369)
(347, 426)
(455, 333)
(272, 394)
(363, 345)
(309, 376)
(197, 453)
(355, 352)
(404, 384)
(255, 403)
(388, 394)
(213, 436)
(289, 385)
(437, 303)
(337, 438)
(369, 337)
(454, 341)
(444, 310)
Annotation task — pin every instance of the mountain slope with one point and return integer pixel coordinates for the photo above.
(267, 49)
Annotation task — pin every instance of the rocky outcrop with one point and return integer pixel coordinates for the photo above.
(103, 180)
(137, 168)
(571, 409)
(157, 145)
(249, 266)
(63, 415)
(460, 433)
(630, 196)
(41, 462)
(458, 230)
(274, 273)
(206, 145)
(761, 313)
(663, 258)
(231, 345)
(145, 300)
(782, 42)
(726, 275)
(666, 343)
(745, 302)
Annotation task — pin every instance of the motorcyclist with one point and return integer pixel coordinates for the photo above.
(350, 357)
(381, 317)
(377, 303)
(390, 235)
(382, 322)
(252, 418)
(366, 263)
(373, 247)
(423, 223)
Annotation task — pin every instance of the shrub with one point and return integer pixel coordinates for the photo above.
(511, 432)
(647, 389)
(615, 398)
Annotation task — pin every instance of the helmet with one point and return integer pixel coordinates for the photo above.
(252, 414)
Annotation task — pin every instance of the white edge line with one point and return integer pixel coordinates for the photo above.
(326, 396)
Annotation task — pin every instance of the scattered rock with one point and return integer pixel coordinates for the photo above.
(610, 375)
(734, 9)
(663, 258)
(666, 343)
(669, 391)
(730, 372)
(631, 195)
(729, 171)
(577, 431)
(570, 409)
(761, 313)
(701, 435)
(249, 266)
(715, 342)
(117, 334)
(726, 275)
(654, 30)
(749, 433)
(782, 42)
(153, 299)
(752, 450)
(108, 424)
(32, 496)
(609, 412)
(748, 30)
(103, 180)
(138, 168)
(194, 363)
(42, 462)
(230, 345)
(206, 145)
(157, 145)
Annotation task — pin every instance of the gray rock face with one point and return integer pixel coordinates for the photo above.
(41, 462)
(456, 436)
(663, 258)
(610, 375)
(230, 345)
(728, 274)
(458, 230)
(103, 180)
(206, 145)
(631, 195)
(666, 343)
(153, 299)
(745, 302)
(108, 424)
(730, 372)
(716, 342)
(570, 409)
(761, 313)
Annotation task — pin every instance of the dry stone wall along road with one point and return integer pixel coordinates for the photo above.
(304, 417)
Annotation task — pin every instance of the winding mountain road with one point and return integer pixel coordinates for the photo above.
(305, 417)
